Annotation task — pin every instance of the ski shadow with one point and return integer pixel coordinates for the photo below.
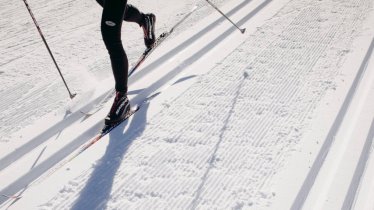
(98, 188)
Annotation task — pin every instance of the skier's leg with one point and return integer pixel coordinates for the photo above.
(111, 23)
(132, 14)
(146, 21)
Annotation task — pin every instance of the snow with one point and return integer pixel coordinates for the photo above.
(280, 117)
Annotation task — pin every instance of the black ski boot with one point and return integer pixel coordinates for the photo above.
(149, 29)
(119, 110)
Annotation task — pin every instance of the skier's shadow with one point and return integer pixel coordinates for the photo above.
(98, 188)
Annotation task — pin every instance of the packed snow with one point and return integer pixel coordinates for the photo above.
(280, 117)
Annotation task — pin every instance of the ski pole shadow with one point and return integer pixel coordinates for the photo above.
(98, 188)
(19, 194)
(44, 136)
(197, 195)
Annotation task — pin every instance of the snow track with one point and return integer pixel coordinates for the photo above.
(345, 154)
(260, 121)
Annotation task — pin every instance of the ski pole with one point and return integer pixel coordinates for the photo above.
(242, 30)
(49, 50)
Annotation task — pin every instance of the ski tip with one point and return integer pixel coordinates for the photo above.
(242, 30)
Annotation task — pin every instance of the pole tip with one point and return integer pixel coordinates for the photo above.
(242, 30)
(72, 95)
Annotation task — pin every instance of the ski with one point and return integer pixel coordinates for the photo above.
(105, 130)
(11, 196)
(147, 52)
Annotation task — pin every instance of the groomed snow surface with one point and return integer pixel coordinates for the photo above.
(280, 117)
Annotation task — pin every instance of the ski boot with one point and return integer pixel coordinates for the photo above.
(119, 110)
(149, 30)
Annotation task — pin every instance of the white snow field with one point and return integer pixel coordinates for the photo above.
(280, 117)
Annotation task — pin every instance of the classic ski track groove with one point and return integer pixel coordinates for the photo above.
(337, 144)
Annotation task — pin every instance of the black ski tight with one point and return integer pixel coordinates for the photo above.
(114, 12)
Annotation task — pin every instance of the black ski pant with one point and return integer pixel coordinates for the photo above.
(114, 12)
